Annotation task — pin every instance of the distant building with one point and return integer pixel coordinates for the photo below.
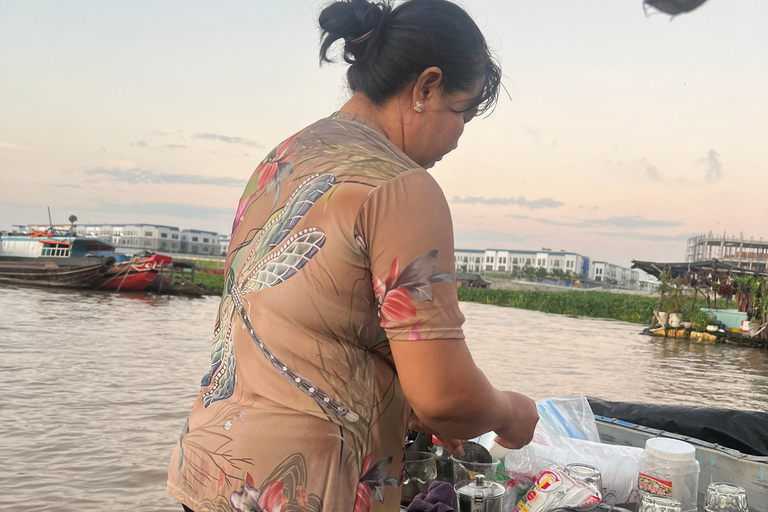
(602, 271)
(506, 261)
(468, 260)
(224, 245)
(144, 237)
(751, 254)
(194, 241)
(503, 261)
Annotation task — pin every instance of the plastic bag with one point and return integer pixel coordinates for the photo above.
(567, 433)
(567, 416)
(618, 465)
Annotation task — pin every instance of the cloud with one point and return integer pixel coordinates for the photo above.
(714, 167)
(627, 223)
(651, 171)
(139, 143)
(648, 238)
(66, 185)
(182, 211)
(172, 146)
(227, 139)
(535, 204)
(136, 176)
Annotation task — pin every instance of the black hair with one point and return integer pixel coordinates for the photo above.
(389, 48)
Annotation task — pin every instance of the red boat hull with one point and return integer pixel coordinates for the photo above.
(133, 276)
(134, 281)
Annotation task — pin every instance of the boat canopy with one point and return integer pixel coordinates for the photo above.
(683, 269)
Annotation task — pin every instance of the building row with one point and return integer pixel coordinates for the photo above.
(503, 261)
(149, 237)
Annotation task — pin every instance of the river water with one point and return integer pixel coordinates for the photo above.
(97, 386)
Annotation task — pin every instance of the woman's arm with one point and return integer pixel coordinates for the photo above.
(450, 394)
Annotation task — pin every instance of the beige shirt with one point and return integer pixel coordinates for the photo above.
(340, 243)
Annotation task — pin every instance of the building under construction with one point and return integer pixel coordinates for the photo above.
(739, 251)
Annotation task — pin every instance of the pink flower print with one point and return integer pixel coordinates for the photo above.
(272, 499)
(396, 295)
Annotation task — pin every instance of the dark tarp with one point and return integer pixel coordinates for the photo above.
(745, 431)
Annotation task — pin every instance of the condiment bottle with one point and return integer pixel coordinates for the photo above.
(670, 469)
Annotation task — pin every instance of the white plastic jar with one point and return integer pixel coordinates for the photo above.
(670, 469)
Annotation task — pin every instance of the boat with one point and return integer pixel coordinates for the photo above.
(52, 259)
(731, 446)
(133, 273)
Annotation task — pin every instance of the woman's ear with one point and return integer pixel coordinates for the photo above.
(427, 88)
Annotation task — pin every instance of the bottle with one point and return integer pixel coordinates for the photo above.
(670, 469)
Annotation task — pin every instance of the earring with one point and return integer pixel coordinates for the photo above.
(419, 107)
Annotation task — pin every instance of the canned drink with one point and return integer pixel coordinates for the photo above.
(555, 488)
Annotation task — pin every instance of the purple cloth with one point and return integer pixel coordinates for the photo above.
(440, 497)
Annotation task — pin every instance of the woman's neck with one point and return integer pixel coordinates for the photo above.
(386, 119)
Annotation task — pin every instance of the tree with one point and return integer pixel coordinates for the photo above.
(529, 273)
(540, 273)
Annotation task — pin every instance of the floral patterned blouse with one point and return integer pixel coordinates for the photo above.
(340, 243)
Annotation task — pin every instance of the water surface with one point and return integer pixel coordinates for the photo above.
(97, 385)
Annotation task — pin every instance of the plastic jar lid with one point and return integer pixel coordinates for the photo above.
(670, 449)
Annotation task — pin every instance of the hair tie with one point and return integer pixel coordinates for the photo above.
(361, 38)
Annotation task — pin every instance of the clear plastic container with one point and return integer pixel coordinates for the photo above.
(670, 469)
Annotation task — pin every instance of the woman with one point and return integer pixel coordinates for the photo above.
(339, 322)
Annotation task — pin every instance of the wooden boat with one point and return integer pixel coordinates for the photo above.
(133, 273)
(53, 274)
(49, 259)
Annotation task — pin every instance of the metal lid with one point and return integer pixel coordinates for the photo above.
(479, 489)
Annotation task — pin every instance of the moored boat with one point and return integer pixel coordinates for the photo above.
(50, 259)
(133, 273)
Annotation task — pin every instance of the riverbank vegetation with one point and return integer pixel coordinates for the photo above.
(627, 308)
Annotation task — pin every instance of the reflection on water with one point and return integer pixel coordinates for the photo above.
(97, 385)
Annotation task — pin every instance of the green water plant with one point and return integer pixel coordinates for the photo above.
(701, 319)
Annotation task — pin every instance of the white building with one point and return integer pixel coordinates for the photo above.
(195, 241)
(505, 261)
(224, 245)
(469, 260)
(602, 271)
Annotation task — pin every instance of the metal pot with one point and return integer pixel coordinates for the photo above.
(479, 496)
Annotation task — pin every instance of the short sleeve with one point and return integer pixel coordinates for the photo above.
(405, 229)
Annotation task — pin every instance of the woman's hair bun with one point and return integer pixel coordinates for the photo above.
(388, 48)
(357, 22)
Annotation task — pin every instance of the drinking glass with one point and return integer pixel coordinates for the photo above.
(464, 470)
(725, 497)
(419, 470)
(653, 503)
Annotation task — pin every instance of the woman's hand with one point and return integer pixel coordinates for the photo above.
(518, 430)
(451, 445)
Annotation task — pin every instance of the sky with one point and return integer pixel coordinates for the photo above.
(620, 137)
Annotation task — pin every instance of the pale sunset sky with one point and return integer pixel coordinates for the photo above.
(624, 134)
